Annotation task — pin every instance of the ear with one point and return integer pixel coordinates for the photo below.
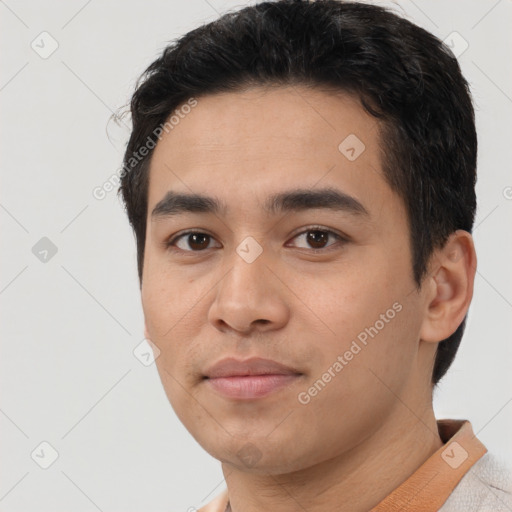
(449, 287)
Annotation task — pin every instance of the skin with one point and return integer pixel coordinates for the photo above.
(373, 424)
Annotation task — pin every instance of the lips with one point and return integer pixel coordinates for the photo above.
(250, 379)
(231, 367)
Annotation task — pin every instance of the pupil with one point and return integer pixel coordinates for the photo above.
(321, 239)
(193, 239)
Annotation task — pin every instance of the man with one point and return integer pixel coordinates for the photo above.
(300, 179)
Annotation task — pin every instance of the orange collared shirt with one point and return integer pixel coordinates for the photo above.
(431, 484)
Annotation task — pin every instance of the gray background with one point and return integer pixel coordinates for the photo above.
(70, 321)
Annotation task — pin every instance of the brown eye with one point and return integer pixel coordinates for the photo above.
(192, 241)
(317, 239)
(198, 241)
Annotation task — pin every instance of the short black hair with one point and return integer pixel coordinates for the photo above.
(403, 75)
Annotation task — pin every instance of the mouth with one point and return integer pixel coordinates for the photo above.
(250, 386)
(250, 379)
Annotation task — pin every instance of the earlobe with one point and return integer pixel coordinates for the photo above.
(450, 287)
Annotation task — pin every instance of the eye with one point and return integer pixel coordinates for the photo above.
(195, 241)
(317, 237)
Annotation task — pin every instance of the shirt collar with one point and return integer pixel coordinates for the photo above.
(432, 483)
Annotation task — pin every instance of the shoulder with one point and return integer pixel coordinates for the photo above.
(486, 487)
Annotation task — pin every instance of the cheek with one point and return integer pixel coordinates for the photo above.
(169, 297)
(351, 301)
(171, 325)
(373, 320)
(174, 325)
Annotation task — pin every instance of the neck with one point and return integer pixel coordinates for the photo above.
(355, 481)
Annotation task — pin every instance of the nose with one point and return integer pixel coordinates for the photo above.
(250, 296)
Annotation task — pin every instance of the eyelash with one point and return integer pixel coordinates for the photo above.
(170, 243)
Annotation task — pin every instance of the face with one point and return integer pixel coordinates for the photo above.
(318, 285)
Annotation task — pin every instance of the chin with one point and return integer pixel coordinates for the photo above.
(259, 455)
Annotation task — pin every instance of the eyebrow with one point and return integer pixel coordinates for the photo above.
(175, 203)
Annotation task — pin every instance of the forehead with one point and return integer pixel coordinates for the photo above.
(244, 146)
